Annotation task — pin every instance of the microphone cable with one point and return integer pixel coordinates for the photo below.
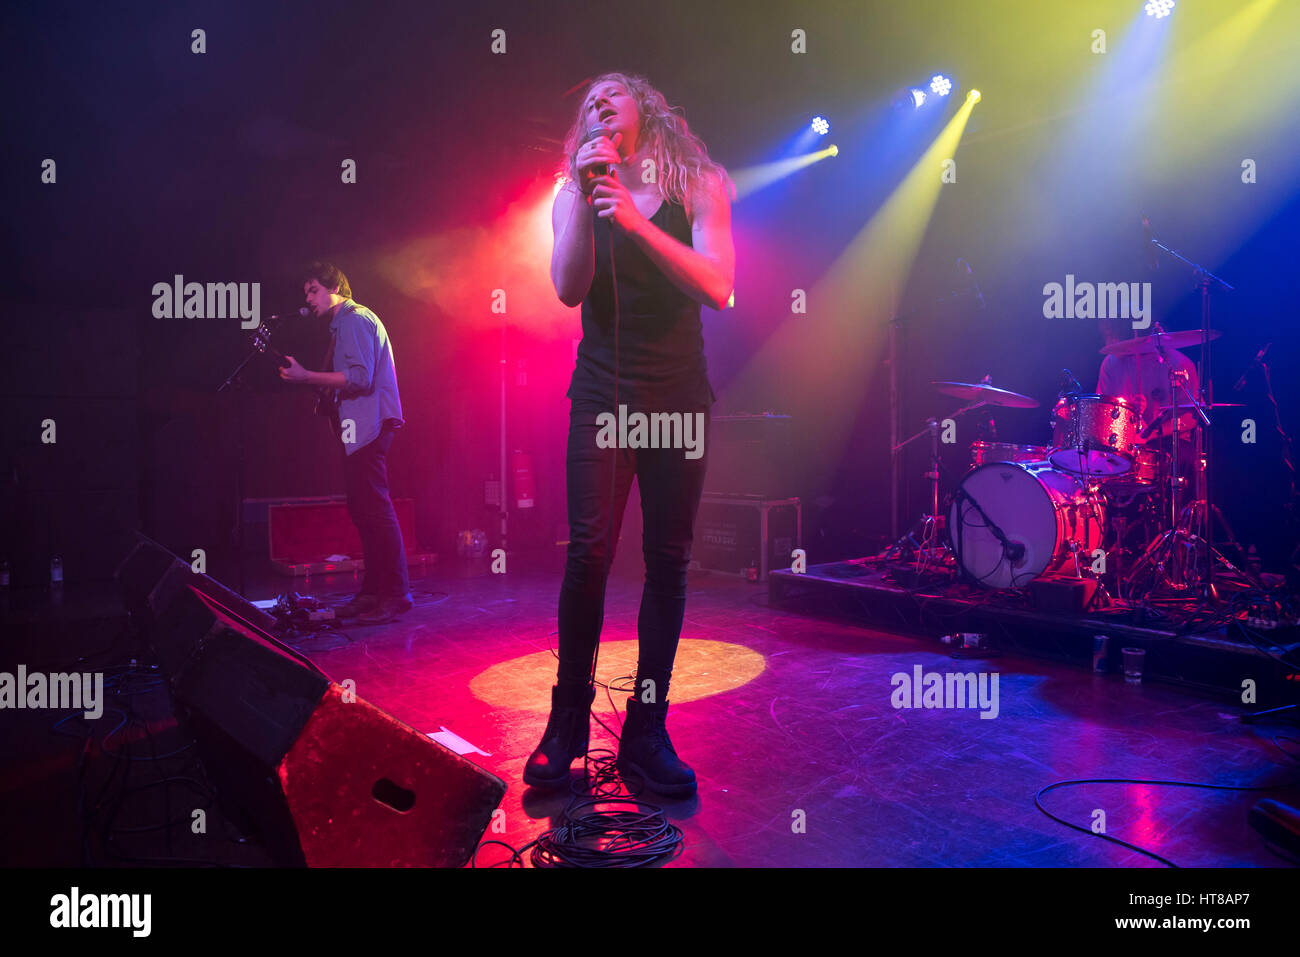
(605, 824)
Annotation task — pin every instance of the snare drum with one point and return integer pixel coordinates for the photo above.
(1150, 466)
(1045, 515)
(1096, 435)
(982, 453)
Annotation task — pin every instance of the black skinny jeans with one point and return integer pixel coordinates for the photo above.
(365, 474)
(670, 486)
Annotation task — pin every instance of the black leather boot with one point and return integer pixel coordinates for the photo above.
(645, 751)
(566, 736)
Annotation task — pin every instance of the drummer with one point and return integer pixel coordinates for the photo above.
(1143, 379)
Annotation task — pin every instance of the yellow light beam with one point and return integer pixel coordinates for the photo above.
(1207, 82)
(751, 179)
(830, 352)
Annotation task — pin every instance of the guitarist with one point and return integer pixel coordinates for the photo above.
(360, 396)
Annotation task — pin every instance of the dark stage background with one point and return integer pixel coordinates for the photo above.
(225, 167)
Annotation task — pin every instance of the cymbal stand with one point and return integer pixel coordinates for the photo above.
(927, 525)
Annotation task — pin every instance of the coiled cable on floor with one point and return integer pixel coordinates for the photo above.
(607, 827)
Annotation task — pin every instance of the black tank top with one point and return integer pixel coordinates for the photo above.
(661, 363)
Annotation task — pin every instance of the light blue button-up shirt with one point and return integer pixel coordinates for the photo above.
(363, 352)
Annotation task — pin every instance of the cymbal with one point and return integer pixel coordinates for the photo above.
(1145, 345)
(982, 392)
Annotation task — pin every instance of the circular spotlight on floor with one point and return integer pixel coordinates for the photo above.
(974, 96)
(940, 85)
(1159, 8)
(820, 126)
(703, 668)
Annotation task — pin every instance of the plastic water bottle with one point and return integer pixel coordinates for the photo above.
(56, 570)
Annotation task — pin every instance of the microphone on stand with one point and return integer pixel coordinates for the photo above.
(1068, 381)
(303, 311)
(1259, 358)
(1153, 261)
(974, 285)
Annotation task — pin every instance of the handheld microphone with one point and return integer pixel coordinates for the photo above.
(1259, 357)
(601, 169)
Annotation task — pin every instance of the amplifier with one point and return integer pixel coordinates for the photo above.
(750, 457)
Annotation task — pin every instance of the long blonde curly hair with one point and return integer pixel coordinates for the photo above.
(681, 160)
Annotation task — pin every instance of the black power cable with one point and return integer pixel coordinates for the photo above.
(1133, 847)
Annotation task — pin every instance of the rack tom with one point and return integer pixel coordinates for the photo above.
(1095, 435)
(982, 453)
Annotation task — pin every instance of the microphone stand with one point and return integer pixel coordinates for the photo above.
(963, 495)
(261, 345)
(1204, 282)
(235, 381)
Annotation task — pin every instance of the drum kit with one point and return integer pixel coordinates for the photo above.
(1102, 500)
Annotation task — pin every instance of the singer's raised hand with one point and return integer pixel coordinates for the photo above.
(596, 156)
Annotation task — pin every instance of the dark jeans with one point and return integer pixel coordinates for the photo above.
(365, 474)
(670, 486)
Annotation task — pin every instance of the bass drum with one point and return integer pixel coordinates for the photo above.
(1043, 512)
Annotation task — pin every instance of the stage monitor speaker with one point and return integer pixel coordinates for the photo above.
(322, 777)
(151, 577)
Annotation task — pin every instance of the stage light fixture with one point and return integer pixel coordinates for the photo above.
(940, 84)
(1159, 8)
(918, 97)
(820, 126)
(833, 150)
(974, 96)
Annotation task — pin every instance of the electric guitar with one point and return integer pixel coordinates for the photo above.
(327, 399)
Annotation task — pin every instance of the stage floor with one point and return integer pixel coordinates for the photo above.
(788, 718)
(780, 713)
